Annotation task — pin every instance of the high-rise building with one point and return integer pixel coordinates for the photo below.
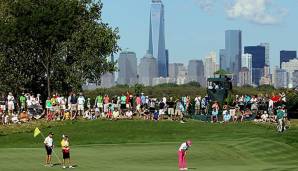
(266, 78)
(244, 76)
(246, 62)
(196, 71)
(222, 59)
(287, 55)
(267, 53)
(127, 64)
(182, 75)
(280, 78)
(290, 67)
(295, 78)
(108, 79)
(258, 62)
(232, 53)
(173, 70)
(147, 70)
(157, 37)
(210, 66)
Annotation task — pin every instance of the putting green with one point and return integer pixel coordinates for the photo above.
(244, 154)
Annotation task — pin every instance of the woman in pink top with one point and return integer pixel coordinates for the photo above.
(182, 154)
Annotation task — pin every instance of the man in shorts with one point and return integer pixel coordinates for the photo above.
(99, 103)
(10, 103)
(171, 105)
(48, 142)
(73, 106)
(23, 100)
(81, 103)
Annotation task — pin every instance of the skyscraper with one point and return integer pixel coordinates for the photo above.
(280, 78)
(173, 70)
(147, 70)
(267, 55)
(232, 53)
(258, 62)
(222, 59)
(182, 75)
(196, 71)
(287, 55)
(157, 37)
(246, 62)
(108, 79)
(210, 65)
(244, 76)
(127, 64)
(291, 66)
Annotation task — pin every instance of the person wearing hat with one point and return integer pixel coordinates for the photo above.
(280, 114)
(182, 154)
(65, 151)
(49, 148)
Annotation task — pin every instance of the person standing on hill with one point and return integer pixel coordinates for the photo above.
(81, 104)
(73, 106)
(10, 103)
(182, 154)
(65, 151)
(280, 114)
(22, 100)
(99, 103)
(171, 106)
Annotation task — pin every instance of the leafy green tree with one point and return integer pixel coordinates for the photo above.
(53, 45)
(138, 88)
(221, 72)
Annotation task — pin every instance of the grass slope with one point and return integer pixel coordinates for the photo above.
(148, 146)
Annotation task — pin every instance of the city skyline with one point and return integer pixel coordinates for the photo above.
(201, 31)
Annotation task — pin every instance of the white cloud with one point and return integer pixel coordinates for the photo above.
(206, 5)
(257, 11)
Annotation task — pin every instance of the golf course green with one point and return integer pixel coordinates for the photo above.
(148, 146)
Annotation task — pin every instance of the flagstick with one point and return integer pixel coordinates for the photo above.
(52, 149)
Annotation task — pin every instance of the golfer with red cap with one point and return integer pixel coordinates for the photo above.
(182, 154)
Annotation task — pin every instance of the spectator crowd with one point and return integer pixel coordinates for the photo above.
(27, 106)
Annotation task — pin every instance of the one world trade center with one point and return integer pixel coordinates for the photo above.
(157, 37)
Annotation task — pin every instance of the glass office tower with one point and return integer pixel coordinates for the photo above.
(232, 53)
(258, 62)
(157, 37)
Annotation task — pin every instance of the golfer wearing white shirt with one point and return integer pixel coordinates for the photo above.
(49, 148)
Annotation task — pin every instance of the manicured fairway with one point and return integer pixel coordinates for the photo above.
(214, 148)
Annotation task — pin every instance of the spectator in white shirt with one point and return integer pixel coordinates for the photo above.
(10, 103)
(81, 103)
